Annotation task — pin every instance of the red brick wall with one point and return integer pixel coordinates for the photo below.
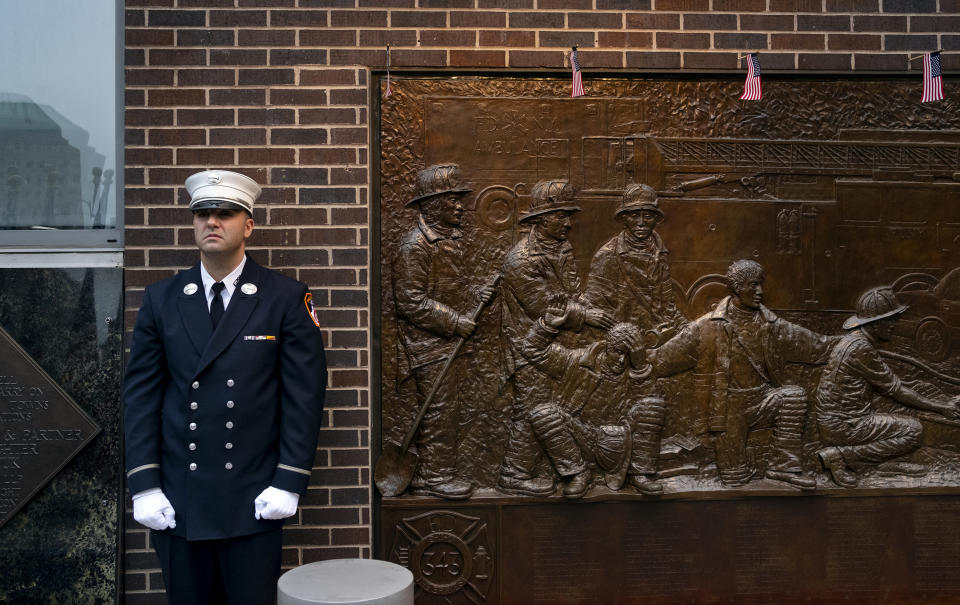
(278, 89)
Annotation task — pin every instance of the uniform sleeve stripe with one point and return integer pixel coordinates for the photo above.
(294, 469)
(141, 468)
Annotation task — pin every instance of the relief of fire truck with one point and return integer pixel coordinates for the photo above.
(827, 219)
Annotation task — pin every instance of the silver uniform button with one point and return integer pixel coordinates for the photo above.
(229, 404)
(228, 445)
(229, 424)
(193, 466)
(228, 466)
(193, 426)
(192, 446)
(230, 382)
(194, 405)
(195, 385)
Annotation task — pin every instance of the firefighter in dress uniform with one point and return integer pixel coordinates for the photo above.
(223, 396)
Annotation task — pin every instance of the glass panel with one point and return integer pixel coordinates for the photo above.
(58, 115)
(62, 545)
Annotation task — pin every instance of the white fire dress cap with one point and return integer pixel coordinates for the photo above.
(222, 189)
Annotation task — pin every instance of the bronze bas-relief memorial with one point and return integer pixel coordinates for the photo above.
(658, 344)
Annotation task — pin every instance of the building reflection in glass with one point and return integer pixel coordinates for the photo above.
(51, 177)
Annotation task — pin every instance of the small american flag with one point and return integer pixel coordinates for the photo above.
(751, 88)
(932, 85)
(577, 90)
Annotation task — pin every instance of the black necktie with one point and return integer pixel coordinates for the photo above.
(216, 307)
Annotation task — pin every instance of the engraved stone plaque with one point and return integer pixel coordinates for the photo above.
(41, 428)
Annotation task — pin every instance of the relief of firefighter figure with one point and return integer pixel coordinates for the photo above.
(738, 352)
(629, 279)
(858, 437)
(539, 269)
(433, 305)
(630, 274)
(607, 374)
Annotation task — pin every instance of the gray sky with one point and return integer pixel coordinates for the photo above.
(62, 53)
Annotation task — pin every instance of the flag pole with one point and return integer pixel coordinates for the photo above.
(742, 57)
(389, 92)
(911, 59)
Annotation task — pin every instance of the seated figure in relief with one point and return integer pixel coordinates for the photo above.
(738, 352)
(602, 376)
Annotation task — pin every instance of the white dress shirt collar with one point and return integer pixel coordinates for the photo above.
(230, 283)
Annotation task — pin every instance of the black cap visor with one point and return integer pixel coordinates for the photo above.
(216, 205)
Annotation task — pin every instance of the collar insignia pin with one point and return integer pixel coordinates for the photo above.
(248, 289)
(190, 289)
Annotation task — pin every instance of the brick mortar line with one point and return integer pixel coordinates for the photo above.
(345, 427)
(355, 165)
(478, 47)
(335, 288)
(308, 267)
(338, 206)
(359, 427)
(468, 10)
(784, 51)
(271, 207)
(253, 247)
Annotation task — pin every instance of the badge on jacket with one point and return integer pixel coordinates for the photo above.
(312, 312)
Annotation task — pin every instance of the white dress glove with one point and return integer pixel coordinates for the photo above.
(151, 508)
(273, 503)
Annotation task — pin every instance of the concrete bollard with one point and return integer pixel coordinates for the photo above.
(339, 581)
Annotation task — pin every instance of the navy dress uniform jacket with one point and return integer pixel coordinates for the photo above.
(215, 417)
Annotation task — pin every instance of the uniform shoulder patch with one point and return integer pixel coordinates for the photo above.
(311, 311)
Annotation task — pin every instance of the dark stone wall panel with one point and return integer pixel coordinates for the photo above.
(63, 545)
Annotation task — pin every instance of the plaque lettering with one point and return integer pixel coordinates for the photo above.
(41, 428)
